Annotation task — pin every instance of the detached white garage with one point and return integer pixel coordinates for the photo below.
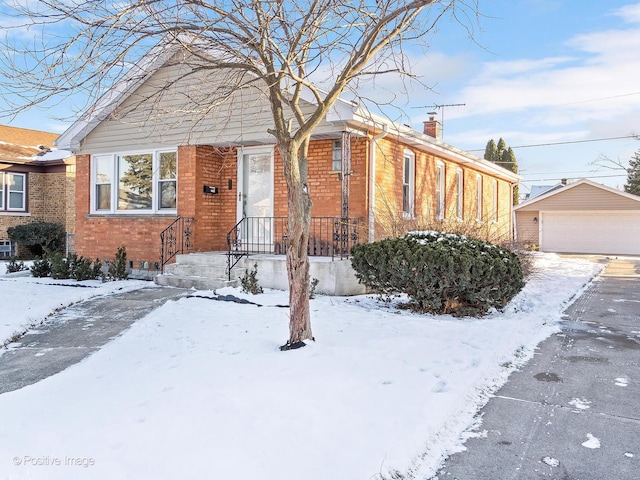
(582, 217)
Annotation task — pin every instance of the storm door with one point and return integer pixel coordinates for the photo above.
(255, 197)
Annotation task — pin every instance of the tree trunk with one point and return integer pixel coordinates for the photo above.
(294, 159)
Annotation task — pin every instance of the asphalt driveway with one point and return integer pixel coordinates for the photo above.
(573, 412)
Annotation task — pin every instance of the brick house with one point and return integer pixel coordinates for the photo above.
(149, 154)
(37, 183)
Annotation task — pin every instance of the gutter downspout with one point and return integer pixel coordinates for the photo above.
(372, 179)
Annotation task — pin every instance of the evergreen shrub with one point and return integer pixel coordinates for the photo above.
(249, 281)
(41, 268)
(118, 267)
(60, 266)
(83, 269)
(15, 265)
(39, 237)
(440, 272)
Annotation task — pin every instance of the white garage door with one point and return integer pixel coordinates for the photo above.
(590, 232)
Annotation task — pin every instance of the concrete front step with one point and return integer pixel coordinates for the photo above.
(208, 271)
(203, 271)
(199, 283)
(196, 270)
(213, 259)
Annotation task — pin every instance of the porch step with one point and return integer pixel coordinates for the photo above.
(199, 283)
(203, 271)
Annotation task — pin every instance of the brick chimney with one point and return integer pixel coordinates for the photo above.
(432, 126)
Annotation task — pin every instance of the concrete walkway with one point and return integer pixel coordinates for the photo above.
(573, 412)
(74, 333)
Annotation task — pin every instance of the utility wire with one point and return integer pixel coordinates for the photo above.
(569, 142)
(562, 178)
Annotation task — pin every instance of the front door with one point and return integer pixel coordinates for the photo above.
(255, 196)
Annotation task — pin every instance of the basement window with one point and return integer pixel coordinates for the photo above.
(7, 249)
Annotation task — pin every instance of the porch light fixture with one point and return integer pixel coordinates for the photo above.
(535, 219)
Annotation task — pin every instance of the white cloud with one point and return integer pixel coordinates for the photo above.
(599, 81)
(629, 13)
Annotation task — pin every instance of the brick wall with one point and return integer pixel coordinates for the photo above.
(324, 184)
(50, 198)
(388, 203)
(215, 214)
(101, 235)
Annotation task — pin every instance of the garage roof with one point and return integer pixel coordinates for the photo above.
(533, 204)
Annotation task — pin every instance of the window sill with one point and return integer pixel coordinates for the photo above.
(14, 214)
(132, 215)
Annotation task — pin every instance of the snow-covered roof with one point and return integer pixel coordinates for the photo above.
(23, 145)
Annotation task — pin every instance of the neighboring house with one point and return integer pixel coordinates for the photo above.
(582, 217)
(37, 183)
(537, 190)
(148, 156)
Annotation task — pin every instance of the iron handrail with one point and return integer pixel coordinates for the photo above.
(328, 237)
(175, 239)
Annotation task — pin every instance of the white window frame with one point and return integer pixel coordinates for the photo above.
(408, 184)
(8, 191)
(336, 155)
(459, 194)
(10, 252)
(155, 184)
(495, 201)
(479, 198)
(440, 190)
(2, 190)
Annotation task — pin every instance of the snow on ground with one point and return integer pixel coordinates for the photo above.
(198, 388)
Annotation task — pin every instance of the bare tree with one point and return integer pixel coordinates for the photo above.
(282, 45)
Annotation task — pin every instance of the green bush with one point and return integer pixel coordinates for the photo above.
(60, 266)
(15, 265)
(38, 237)
(118, 267)
(83, 269)
(440, 272)
(249, 281)
(41, 268)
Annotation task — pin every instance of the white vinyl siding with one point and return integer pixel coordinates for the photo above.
(164, 112)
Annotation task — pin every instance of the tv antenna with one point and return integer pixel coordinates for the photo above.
(442, 107)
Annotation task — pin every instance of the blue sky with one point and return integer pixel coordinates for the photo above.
(545, 71)
(536, 72)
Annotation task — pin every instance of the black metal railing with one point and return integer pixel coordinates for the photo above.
(328, 237)
(175, 239)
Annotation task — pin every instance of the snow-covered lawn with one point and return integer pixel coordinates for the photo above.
(26, 301)
(198, 388)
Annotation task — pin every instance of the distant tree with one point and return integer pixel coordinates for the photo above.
(491, 151)
(633, 175)
(504, 156)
